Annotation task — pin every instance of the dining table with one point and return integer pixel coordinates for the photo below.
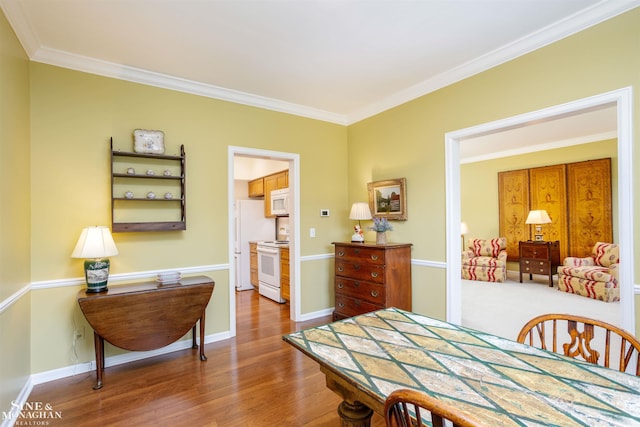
(497, 380)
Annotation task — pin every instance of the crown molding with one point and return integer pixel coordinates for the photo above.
(540, 147)
(601, 11)
(573, 24)
(109, 69)
(25, 33)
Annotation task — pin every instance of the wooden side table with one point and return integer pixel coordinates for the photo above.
(539, 258)
(146, 316)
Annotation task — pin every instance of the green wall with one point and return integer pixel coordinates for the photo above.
(56, 125)
(408, 141)
(15, 311)
(73, 116)
(479, 182)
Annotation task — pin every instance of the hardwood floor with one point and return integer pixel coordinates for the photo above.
(254, 379)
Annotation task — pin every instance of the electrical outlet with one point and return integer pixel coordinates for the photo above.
(80, 333)
(312, 232)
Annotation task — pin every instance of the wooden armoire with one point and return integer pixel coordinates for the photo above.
(577, 197)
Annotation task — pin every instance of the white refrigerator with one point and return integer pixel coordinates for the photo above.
(251, 226)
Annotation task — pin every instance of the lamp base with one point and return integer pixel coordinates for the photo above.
(96, 273)
(357, 238)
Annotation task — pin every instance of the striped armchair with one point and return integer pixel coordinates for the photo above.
(485, 260)
(593, 277)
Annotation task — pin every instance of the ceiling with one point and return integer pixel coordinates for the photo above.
(333, 60)
(590, 125)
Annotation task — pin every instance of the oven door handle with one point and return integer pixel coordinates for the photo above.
(274, 251)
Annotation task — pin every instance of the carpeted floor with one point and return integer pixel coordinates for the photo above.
(503, 308)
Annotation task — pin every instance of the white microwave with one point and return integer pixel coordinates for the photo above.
(280, 202)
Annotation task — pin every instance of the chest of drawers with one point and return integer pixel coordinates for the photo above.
(539, 258)
(370, 277)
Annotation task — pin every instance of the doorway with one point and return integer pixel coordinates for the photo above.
(622, 100)
(293, 161)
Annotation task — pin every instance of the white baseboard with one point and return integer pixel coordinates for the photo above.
(9, 418)
(316, 314)
(119, 359)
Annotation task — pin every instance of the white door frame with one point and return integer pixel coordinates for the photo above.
(623, 100)
(294, 233)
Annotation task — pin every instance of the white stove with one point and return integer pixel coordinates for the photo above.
(269, 269)
(275, 243)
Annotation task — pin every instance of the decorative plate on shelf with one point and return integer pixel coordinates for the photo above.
(148, 141)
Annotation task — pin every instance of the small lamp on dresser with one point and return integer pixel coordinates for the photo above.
(95, 245)
(359, 211)
(537, 218)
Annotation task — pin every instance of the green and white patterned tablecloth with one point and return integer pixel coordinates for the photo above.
(501, 382)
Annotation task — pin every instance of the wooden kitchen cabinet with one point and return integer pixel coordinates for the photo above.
(253, 264)
(272, 182)
(285, 284)
(371, 277)
(539, 258)
(256, 187)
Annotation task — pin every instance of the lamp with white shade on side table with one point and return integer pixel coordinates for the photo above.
(537, 218)
(95, 245)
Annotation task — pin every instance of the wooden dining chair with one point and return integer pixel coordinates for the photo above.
(406, 408)
(583, 338)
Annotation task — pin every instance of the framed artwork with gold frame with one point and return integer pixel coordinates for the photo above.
(388, 199)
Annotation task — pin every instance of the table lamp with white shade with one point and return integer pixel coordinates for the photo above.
(95, 245)
(537, 218)
(464, 229)
(359, 211)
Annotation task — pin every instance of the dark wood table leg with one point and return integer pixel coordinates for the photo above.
(98, 343)
(354, 414)
(193, 337)
(202, 356)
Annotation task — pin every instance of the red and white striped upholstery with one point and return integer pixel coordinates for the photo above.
(593, 277)
(485, 259)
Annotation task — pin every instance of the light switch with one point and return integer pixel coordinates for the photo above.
(312, 232)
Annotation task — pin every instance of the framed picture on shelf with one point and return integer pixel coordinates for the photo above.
(388, 199)
(148, 141)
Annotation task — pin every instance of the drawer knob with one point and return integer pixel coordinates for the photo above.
(374, 274)
(341, 304)
(340, 285)
(374, 294)
(340, 269)
(374, 257)
(340, 253)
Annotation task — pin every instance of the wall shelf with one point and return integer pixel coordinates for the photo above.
(138, 212)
